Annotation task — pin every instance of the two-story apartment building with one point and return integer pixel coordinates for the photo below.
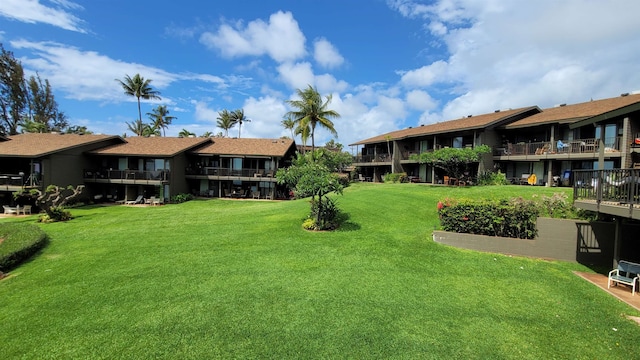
(34, 161)
(525, 141)
(391, 152)
(237, 167)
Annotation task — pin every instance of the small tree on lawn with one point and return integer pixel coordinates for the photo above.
(53, 200)
(455, 162)
(313, 177)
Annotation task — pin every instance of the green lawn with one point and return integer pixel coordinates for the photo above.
(241, 279)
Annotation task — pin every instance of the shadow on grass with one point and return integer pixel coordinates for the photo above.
(345, 224)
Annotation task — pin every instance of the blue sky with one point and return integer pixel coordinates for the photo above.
(388, 64)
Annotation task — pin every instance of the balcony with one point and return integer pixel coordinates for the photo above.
(144, 177)
(221, 173)
(378, 158)
(18, 182)
(586, 148)
(615, 192)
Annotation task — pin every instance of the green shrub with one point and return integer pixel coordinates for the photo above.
(492, 178)
(514, 218)
(328, 216)
(310, 224)
(20, 242)
(54, 214)
(396, 177)
(180, 198)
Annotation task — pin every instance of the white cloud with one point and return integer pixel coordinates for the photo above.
(420, 100)
(265, 114)
(32, 11)
(512, 54)
(326, 54)
(280, 38)
(426, 75)
(296, 76)
(327, 83)
(204, 113)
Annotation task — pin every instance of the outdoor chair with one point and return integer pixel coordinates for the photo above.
(10, 210)
(138, 200)
(24, 210)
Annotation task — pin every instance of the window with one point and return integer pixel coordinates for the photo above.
(457, 142)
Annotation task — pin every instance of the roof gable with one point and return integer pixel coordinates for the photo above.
(37, 145)
(576, 112)
(246, 147)
(467, 123)
(152, 146)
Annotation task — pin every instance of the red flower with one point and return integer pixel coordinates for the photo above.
(440, 205)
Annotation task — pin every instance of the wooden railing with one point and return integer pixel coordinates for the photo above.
(559, 147)
(159, 175)
(617, 186)
(221, 171)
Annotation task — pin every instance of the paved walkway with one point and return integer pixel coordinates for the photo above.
(622, 292)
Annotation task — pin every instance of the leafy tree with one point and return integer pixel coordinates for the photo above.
(160, 118)
(238, 117)
(313, 175)
(140, 88)
(333, 145)
(453, 161)
(13, 93)
(185, 133)
(43, 108)
(76, 129)
(225, 121)
(311, 111)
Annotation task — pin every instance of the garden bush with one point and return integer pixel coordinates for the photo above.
(329, 215)
(492, 178)
(54, 214)
(396, 177)
(514, 218)
(180, 198)
(18, 243)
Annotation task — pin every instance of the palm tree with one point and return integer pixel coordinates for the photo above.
(304, 133)
(310, 111)
(225, 121)
(140, 88)
(185, 133)
(207, 134)
(141, 129)
(160, 118)
(289, 124)
(238, 117)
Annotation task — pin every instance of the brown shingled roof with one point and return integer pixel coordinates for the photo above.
(152, 146)
(246, 147)
(575, 112)
(467, 123)
(32, 145)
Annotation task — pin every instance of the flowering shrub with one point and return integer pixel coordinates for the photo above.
(514, 218)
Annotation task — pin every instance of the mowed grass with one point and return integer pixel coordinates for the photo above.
(241, 279)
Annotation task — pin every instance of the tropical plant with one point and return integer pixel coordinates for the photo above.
(140, 88)
(454, 161)
(207, 134)
(311, 111)
(309, 175)
(238, 117)
(304, 132)
(141, 129)
(185, 133)
(13, 93)
(225, 121)
(160, 118)
(77, 129)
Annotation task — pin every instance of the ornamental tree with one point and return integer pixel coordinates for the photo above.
(453, 161)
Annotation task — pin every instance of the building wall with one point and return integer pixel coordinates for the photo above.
(589, 243)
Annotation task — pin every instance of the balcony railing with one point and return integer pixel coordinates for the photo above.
(227, 172)
(11, 179)
(372, 158)
(560, 147)
(159, 175)
(620, 186)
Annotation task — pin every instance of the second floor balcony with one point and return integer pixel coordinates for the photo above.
(224, 172)
(615, 192)
(127, 176)
(559, 148)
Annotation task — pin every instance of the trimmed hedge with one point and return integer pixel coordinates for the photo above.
(20, 242)
(514, 218)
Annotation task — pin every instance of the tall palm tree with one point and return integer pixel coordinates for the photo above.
(289, 124)
(185, 133)
(225, 121)
(311, 111)
(304, 133)
(140, 88)
(160, 118)
(239, 118)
